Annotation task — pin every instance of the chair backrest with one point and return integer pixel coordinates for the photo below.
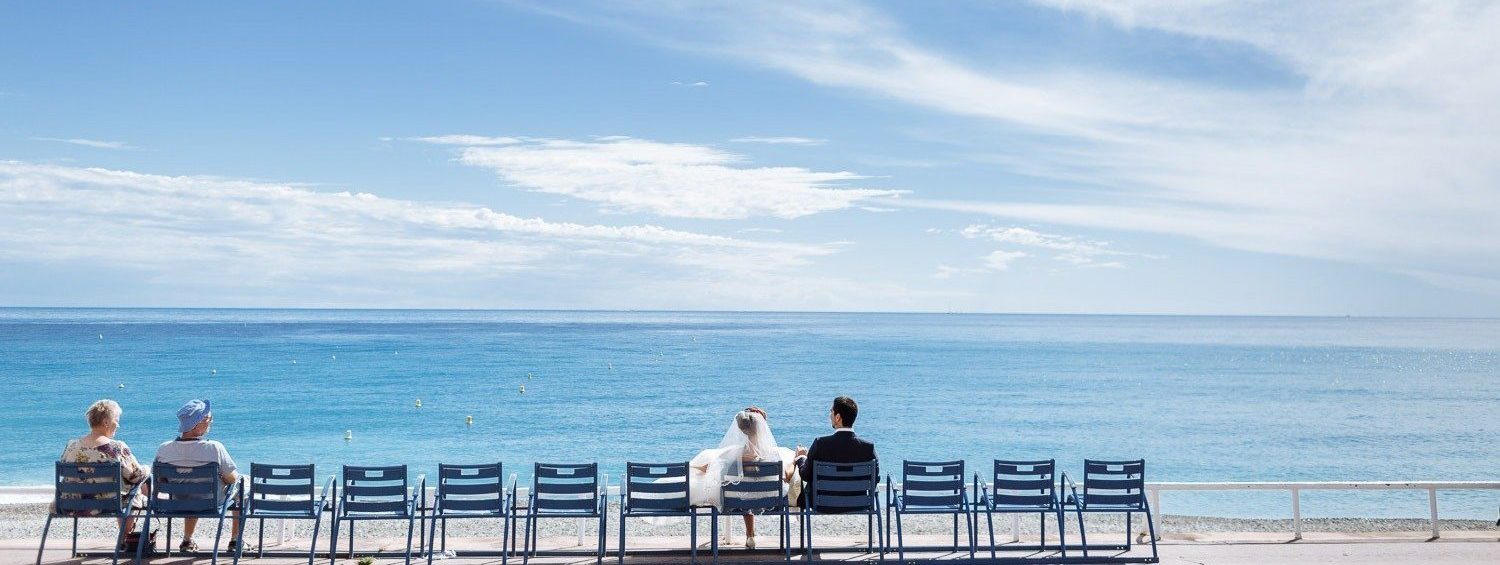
(843, 487)
(758, 487)
(374, 490)
(657, 487)
(471, 489)
(932, 484)
(178, 490)
(1024, 484)
(563, 488)
(1114, 483)
(91, 489)
(280, 488)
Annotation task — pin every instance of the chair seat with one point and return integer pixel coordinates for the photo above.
(310, 512)
(654, 512)
(445, 513)
(1081, 501)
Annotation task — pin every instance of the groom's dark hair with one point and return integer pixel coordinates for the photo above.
(846, 409)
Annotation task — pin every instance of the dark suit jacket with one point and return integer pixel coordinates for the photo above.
(838, 447)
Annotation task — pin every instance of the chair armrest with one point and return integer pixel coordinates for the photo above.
(512, 494)
(1071, 486)
(419, 496)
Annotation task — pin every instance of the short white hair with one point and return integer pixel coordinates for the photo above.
(103, 412)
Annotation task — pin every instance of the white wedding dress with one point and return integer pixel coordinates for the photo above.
(711, 468)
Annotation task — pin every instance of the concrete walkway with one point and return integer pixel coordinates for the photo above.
(1228, 549)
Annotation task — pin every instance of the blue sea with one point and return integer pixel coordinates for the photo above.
(1200, 398)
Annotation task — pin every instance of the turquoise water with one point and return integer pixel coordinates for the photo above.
(1200, 398)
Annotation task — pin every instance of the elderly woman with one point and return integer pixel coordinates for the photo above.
(100, 446)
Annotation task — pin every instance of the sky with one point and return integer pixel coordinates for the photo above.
(1054, 156)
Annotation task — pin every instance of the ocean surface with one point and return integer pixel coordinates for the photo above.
(1200, 398)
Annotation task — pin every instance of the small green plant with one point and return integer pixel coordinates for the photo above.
(366, 560)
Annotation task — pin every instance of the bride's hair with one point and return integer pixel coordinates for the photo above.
(746, 422)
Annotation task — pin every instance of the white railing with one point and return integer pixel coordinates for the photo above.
(1154, 490)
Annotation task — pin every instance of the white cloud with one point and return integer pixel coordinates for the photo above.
(97, 144)
(241, 233)
(1000, 259)
(462, 139)
(784, 140)
(670, 179)
(1379, 148)
(1072, 250)
(696, 84)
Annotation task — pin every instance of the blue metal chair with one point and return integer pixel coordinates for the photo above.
(1115, 487)
(1022, 487)
(375, 493)
(560, 490)
(88, 490)
(282, 492)
(843, 488)
(657, 490)
(930, 488)
(187, 492)
(471, 491)
(757, 490)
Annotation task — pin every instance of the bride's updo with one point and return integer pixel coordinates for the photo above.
(745, 419)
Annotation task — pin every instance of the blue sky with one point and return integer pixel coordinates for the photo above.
(1207, 157)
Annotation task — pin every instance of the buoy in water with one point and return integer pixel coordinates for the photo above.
(101, 336)
(294, 361)
(523, 389)
(348, 435)
(528, 376)
(213, 371)
(419, 403)
(469, 420)
(122, 385)
(333, 357)
(611, 366)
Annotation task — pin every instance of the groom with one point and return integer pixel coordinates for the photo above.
(839, 447)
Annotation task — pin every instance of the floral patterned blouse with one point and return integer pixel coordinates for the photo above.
(131, 471)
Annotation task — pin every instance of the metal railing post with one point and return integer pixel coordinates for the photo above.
(1432, 505)
(1156, 511)
(1296, 513)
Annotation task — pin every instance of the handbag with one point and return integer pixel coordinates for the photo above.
(133, 540)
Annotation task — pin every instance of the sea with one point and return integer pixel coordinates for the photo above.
(1199, 398)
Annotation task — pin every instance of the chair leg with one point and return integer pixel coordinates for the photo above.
(869, 531)
(1151, 531)
(140, 548)
(1041, 520)
(429, 532)
(989, 518)
(1083, 534)
(219, 534)
(312, 548)
(260, 545)
(411, 523)
(713, 535)
(955, 532)
(603, 526)
(900, 540)
(882, 546)
(1128, 527)
(1062, 530)
(43, 546)
(75, 538)
(239, 539)
(333, 539)
(692, 536)
(114, 558)
(969, 529)
(505, 524)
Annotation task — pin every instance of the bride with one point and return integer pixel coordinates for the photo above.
(748, 439)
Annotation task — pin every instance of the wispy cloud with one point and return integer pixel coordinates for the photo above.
(786, 140)
(461, 139)
(1380, 152)
(1068, 249)
(669, 179)
(95, 143)
(694, 84)
(244, 233)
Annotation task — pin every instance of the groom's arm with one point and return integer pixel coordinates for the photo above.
(804, 467)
